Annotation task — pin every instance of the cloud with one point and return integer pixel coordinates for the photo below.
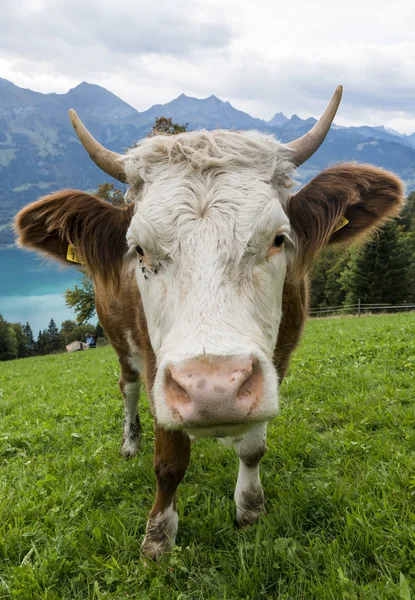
(374, 77)
(86, 33)
(36, 310)
(378, 81)
(262, 56)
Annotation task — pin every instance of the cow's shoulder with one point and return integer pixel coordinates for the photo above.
(120, 312)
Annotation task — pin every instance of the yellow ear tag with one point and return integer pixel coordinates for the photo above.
(343, 221)
(72, 255)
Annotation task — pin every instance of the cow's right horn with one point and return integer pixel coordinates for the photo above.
(306, 145)
(109, 162)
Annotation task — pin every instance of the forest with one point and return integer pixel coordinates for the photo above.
(379, 271)
(18, 341)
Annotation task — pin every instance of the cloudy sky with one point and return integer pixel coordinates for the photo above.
(264, 56)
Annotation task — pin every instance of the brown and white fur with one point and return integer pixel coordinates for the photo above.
(197, 297)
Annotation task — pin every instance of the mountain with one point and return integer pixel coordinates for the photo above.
(411, 139)
(40, 153)
(97, 102)
(208, 113)
(277, 120)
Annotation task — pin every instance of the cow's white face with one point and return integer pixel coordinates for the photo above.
(211, 248)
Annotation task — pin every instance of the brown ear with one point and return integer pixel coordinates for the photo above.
(364, 195)
(95, 228)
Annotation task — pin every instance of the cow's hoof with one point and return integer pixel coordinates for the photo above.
(246, 517)
(250, 507)
(130, 447)
(160, 535)
(156, 549)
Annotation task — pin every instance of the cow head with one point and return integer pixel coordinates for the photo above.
(211, 232)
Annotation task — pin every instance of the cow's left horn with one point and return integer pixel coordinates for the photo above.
(109, 162)
(306, 145)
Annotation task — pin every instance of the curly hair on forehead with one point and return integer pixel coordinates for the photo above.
(204, 150)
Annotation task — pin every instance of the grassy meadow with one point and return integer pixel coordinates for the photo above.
(339, 480)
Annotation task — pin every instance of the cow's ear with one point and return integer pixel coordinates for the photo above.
(340, 205)
(93, 231)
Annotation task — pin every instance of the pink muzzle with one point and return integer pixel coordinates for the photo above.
(214, 390)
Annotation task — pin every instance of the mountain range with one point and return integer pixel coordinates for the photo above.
(40, 153)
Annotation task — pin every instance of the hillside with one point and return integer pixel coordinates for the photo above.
(338, 480)
(39, 151)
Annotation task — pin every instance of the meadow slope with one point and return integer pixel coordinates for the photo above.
(339, 480)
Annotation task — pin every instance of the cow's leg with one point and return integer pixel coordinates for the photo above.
(171, 459)
(130, 385)
(249, 496)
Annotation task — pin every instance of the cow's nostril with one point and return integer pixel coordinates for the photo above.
(175, 392)
(252, 388)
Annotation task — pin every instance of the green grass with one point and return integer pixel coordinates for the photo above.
(339, 480)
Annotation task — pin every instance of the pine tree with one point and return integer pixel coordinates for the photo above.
(29, 339)
(326, 289)
(335, 295)
(54, 337)
(407, 240)
(407, 217)
(42, 343)
(318, 281)
(39, 343)
(379, 272)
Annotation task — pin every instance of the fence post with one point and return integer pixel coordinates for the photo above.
(358, 307)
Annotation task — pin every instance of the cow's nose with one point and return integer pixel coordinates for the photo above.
(214, 390)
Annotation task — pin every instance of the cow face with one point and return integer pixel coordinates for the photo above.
(211, 233)
(210, 246)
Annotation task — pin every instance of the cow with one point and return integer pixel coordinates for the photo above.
(201, 282)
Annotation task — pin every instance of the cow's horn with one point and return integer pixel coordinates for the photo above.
(109, 162)
(306, 145)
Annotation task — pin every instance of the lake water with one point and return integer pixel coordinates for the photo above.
(31, 289)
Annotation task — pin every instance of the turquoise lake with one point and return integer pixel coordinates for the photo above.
(31, 289)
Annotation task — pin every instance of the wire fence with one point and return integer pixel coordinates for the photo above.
(359, 309)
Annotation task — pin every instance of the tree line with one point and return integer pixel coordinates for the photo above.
(18, 341)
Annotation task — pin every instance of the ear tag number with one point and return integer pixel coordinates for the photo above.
(72, 255)
(343, 221)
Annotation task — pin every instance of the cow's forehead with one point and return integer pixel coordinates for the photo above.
(204, 151)
(217, 176)
(222, 221)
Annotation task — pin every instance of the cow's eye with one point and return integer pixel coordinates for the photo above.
(278, 241)
(139, 250)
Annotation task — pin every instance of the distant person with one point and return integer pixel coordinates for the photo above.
(90, 340)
